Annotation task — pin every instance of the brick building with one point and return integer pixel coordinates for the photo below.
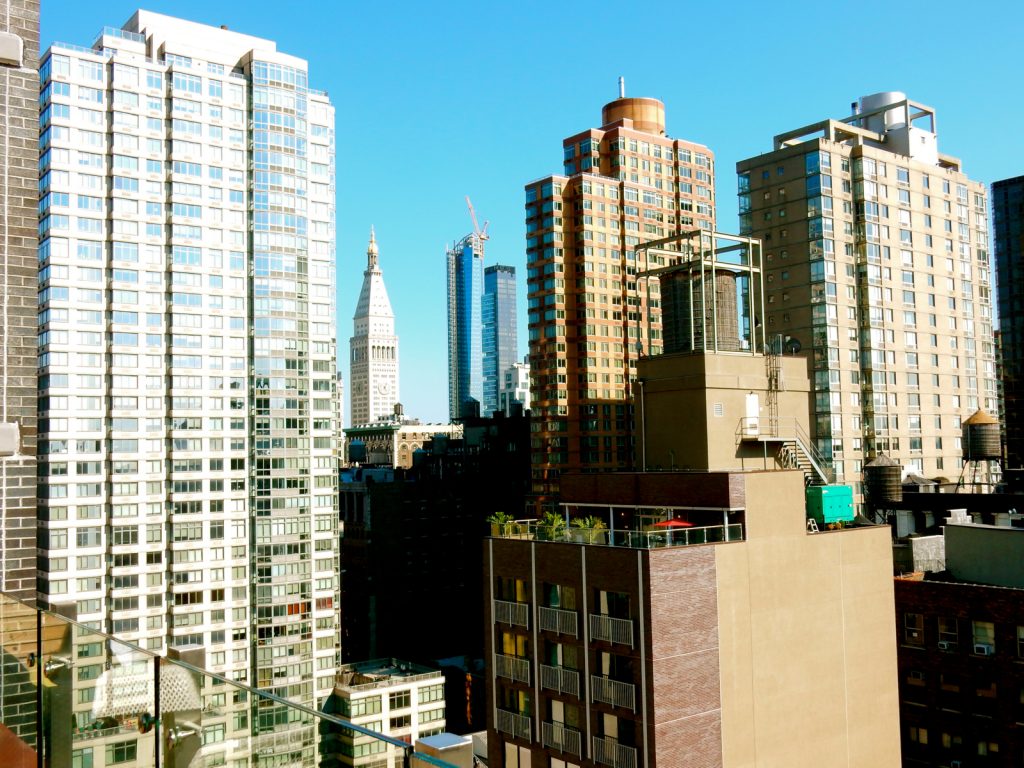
(961, 648)
(19, 154)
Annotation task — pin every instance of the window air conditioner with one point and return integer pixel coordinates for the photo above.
(983, 649)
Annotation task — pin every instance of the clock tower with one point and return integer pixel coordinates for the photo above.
(373, 347)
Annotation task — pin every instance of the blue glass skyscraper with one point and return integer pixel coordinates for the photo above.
(500, 344)
(465, 353)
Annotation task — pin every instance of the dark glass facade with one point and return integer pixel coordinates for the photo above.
(1008, 232)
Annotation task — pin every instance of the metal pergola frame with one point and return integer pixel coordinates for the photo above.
(705, 260)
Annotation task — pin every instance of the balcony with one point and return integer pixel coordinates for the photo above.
(67, 687)
(517, 614)
(613, 692)
(610, 752)
(611, 630)
(515, 725)
(512, 668)
(633, 539)
(557, 736)
(560, 680)
(557, 620)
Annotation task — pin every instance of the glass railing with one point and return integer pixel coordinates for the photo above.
(74, 696)
(646, 539)
(123, 34)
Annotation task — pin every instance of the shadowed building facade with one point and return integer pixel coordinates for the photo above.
(1008, 236)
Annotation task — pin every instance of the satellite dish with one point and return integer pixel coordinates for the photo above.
(792, 346)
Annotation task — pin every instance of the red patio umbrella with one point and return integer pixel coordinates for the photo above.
(673, 523)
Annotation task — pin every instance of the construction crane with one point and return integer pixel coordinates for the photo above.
(480, 233)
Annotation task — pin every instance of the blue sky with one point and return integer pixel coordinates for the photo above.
(437, 101)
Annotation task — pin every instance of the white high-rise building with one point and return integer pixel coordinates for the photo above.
(374, 346)
(515, 387)
(188, 416)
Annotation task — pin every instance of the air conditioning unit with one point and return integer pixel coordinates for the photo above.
(947, 645)
(983, 649)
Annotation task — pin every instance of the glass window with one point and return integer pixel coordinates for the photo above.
(913, 629)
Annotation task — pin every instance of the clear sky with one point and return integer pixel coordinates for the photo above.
(439, 100)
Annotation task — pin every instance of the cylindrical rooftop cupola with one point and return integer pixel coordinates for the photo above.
(647, 114)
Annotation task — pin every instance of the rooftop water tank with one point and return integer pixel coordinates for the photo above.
(693, 319)
(894, 118)
(356, 451)
(883, 480)
(981, 437)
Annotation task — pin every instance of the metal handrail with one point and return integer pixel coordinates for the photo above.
(508, 612)
(611, 629)
(532, 530)
(751, 427)
(557, 620)
(613, 692)
(560, 679)
(512, 667)
(514, 724)
(609, 752)
(558, 736)
(821, 465)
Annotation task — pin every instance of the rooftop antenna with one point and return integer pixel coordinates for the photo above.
(622, 87)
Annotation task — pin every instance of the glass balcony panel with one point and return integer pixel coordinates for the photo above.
(20, 673)
(106, 702)
(99, 697)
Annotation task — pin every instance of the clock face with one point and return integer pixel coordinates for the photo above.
(383, 387)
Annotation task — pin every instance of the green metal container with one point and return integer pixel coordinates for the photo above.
(830, 503)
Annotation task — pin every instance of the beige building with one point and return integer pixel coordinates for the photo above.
(730, 399)
(728, 635)
(693, 615)
(877, 263)
(624, 183)
(373, 347)
(394, 442)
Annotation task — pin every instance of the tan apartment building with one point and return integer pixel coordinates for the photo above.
(741, 640)
(624, 183)
(877, 263)
(704, 621)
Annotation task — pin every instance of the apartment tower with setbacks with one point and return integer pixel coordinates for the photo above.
(876, 252)
(623, 184)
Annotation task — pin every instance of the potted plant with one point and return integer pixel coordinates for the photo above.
(551, 527)
(501, 523)
(589, 530)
